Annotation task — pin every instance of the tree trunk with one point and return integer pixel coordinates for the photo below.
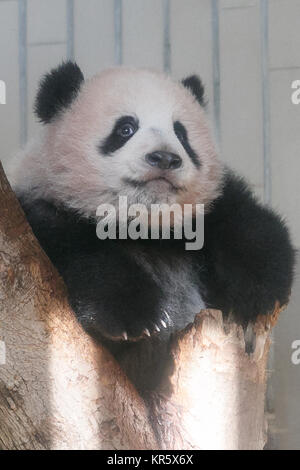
(61, 390)
(218, 389)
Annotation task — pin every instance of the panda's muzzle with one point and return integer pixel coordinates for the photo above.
(142, 183)
(163, 160)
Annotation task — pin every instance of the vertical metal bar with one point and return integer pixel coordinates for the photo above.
(264, 17)
(167, 36)
(70, 30)
(216, 67)
(22, 38)
(118, 7)
(264, 14)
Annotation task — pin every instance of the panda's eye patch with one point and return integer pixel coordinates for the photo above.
(124, 128)
(182, 136)
(180, 131)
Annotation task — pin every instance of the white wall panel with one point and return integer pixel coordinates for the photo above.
(94, 34)
(46, 21)
(191, 42)
(9, 72)
(286, 377)
(238, 3)
(241, 92)
(284, 33)
(143, 33)
(285, 148)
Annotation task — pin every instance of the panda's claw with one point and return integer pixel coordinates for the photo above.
(163, 323)
(157, 328)
(147, 332)
(125, 336)
(168, 317)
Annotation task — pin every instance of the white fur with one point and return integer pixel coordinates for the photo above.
(64, 163)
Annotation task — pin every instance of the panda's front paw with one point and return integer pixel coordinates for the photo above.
(123, 324)
(163, 322)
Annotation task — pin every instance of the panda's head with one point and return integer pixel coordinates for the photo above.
(126, 132)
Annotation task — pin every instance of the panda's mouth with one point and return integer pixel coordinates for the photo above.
(162, 179)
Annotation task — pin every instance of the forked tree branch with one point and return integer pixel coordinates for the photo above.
(60, 390)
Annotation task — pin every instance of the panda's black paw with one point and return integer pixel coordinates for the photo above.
(126, 324)
(160, 325)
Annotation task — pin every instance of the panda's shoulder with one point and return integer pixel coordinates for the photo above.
(57, 228)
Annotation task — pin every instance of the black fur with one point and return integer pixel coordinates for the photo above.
(123, 285)
(246, 265)
(57, 90)
(249, 255)
(195, 85)
(182, 136)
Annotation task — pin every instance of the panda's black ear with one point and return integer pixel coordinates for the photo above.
(196, 87)
(57, 90)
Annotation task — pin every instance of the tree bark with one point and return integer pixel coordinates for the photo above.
(58, 389)
(61, 390)
(218, 389)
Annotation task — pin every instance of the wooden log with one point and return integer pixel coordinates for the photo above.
(218, 389)
(60, 390)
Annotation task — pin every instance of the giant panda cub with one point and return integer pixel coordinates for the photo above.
(137, 133)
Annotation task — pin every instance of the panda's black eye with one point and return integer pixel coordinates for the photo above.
(126, 130)
(125, 127)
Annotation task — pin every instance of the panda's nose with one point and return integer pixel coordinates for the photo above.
(164, 160)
